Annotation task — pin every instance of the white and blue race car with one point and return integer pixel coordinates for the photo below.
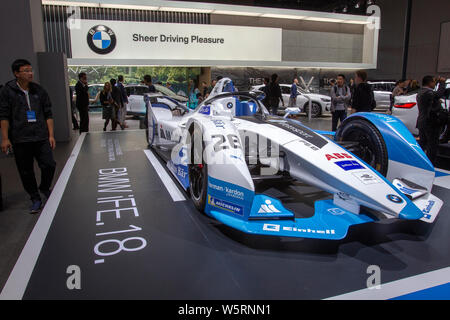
(372, 167)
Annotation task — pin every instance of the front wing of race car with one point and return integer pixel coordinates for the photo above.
(260, 214)
(329, 222)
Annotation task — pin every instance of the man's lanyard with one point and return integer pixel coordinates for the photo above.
(31, 115)
(27, 96)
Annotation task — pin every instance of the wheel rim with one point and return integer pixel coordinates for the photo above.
(315, 110)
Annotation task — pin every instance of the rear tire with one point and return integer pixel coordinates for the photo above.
(371, 147)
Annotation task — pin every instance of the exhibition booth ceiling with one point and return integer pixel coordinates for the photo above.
(213, 8)
(149, 33)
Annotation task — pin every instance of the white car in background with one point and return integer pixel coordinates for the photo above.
(321, 104)
(136, 92)
(382, 91)
(405, 108)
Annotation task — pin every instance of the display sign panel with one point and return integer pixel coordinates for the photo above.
(147, 40)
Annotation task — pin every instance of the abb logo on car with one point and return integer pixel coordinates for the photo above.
(337, 156)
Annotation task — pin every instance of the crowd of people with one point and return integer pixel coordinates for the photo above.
(359, 97)
(113, 99)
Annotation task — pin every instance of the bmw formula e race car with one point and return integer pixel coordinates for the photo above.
(372, 167)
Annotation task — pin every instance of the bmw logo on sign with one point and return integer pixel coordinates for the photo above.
(101, 39)
(394, 198)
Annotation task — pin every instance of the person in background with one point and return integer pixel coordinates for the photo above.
(117, 105)
(340, 99)
(27, 127)
(122, 116)
(429, 104)
(363, 99)
(211, 87)
(397, 91)
(204, 88)
(414, 86)
(294, 94)
(107, 102)
(200, 98)
(82, 102)
(193, 91)
(148, 82)
(73, 110)
(406, 86)
(400, 88)
(352, 86)
(151, 89)
(169, 86)
(274, 94)
(265, 89)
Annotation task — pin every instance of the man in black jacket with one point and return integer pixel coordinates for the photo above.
(428, 102)
(27, 127)
(363, 99)
(82, 104)
(123, 92)
(274, 95)
(118, 104)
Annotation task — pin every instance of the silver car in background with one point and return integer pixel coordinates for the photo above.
(321, 104)
(382, 91)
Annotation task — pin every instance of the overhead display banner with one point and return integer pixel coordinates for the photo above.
(126, 40)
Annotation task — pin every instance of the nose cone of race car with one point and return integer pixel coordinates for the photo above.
(410, 212)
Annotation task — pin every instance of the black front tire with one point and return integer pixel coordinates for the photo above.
(198, 176)
(370, 145)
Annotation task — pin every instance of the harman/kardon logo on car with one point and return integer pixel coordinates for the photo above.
(101, 39)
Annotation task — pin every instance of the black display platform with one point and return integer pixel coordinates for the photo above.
(158, 248)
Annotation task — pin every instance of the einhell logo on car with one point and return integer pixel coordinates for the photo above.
(101, 39)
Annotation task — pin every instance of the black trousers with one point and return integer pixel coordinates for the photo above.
(25, 153)
(84, 118)
(429, 141)
(75, 122)
(336, 116)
